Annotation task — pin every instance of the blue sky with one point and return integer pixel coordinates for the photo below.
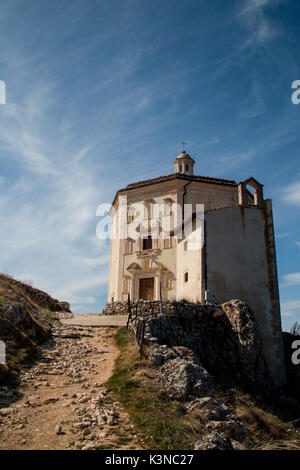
(101, 93)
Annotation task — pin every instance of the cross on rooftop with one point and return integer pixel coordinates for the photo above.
(183, 144)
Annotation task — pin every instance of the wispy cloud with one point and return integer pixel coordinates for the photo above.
(90, 262)
(260, 28)
(100, 97)
(291, 308)
(291, 194)
(281, 235)
(48, 206)
(292, 279)
(230, 161)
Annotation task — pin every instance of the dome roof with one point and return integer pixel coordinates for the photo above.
(182, 155)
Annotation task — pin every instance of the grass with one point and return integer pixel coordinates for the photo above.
(267, 431)
(21, 338)
(160, 422)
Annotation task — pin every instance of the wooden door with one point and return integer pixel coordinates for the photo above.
(147, 288)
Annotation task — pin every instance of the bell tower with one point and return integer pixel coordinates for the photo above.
(184, 164)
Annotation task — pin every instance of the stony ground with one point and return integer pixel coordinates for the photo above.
(62, 402)
(94, 319)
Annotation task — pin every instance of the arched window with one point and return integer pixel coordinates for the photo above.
(250, 193)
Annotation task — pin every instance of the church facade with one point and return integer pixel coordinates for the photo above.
(230, 254)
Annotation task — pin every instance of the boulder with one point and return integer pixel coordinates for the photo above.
(183, 378)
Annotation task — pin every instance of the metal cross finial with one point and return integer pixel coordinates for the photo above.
(183, 144)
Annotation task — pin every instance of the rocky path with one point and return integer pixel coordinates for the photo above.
(94, 319)
(62, 402)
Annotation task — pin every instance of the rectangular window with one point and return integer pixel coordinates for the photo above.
(186, 276)
(185, 246)
(147, 243)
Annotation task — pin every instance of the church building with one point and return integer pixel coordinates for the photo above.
(230, 255)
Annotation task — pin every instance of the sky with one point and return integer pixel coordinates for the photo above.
(100, 94)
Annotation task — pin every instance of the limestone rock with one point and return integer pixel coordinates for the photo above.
(58, 429)
(89, 446)
(214, 441)
(182, 378)
(233, 428)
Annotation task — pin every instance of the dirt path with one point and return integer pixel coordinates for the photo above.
(94, 319)
(62, 402)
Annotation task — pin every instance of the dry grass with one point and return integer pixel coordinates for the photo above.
(20, 343)
(163, 422)
(267, 431)
(160, 420)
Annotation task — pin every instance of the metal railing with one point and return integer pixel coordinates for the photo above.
(138, 314)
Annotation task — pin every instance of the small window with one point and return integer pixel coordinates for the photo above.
(186, 276)
(185, 246)
(147, 243)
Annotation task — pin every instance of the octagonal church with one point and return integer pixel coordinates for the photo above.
(234, 258)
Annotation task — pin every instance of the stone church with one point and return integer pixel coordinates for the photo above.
(234, 259)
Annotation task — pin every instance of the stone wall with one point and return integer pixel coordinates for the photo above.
(225, 339)
(168, 307)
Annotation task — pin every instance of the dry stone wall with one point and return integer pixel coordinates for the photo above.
(168, 307)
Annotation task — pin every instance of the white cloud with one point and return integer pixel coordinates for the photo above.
(230, 161)
(292, 304)
(48, 206)
(288, 314)
(281, 235)
(292, 279)
(291, 194)
(90, 262)
(291, 308)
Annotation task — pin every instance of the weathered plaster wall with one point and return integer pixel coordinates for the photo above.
(240, 265)
(189, 259)
(211, 195)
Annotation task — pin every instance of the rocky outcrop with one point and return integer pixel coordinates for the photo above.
(196, 348)
(214, 441)
(225, 339)
(25, 317)
(184, 378)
